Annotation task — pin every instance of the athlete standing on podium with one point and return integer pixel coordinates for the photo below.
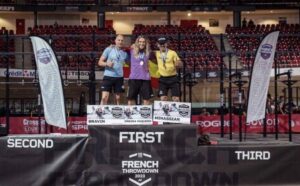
(139, 78)
(168, 62)
(113, 59)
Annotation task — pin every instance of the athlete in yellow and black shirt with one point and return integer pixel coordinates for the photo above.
(168, 62)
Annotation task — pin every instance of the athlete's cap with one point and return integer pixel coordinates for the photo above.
(162, 40)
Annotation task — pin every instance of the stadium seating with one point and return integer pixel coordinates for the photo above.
(7, 45)
(75, 38)
(246, 40)
(188, 42)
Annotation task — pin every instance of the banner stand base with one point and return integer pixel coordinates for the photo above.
(3, 131)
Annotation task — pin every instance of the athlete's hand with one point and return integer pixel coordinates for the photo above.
(109, 64)
(178, 64)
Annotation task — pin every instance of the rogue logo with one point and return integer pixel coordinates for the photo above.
(213, 123)
(253, 155)
(30, 143)
(138, 167)
(140, 137)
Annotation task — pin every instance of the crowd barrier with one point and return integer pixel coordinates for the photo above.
(206, 124)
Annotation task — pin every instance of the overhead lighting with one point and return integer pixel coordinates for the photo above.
(189, 14)
(271, 11)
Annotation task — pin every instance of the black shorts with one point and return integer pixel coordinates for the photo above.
(142, 87)
(113, 83)
(167, 83)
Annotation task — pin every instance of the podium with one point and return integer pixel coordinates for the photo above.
(139, 153)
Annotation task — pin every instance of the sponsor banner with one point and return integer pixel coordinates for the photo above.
(119, 114)
(27, 73)
(260, 77)
(2, 122)
(75, 125)
(213, 74)
(212, 124)
(7, 8)
(84, 75)
(50, 82)
(206, 124)
(30, 125)
(258, 126)
(172, 112)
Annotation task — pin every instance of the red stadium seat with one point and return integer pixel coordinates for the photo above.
(250, 43)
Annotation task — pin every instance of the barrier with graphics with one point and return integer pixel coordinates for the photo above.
(30, 125)
(206, 124)
(212, 124)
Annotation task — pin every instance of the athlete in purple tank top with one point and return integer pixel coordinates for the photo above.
(139, 78)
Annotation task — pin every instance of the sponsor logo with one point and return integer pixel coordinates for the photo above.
(266, 51)
(138, 9)
(253, 155)
(7, 8)
(44, 55)
(184, 109)
(33, 122)
(79, 127)
(213, 123)
(212, 74)
(30, 143)
(140, 137)
(31, 73)
(270, 122)
(139, 167)
(198, 75)
(117, 112)
(145, 112)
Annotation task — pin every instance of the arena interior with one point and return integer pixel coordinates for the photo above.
(217, 42)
